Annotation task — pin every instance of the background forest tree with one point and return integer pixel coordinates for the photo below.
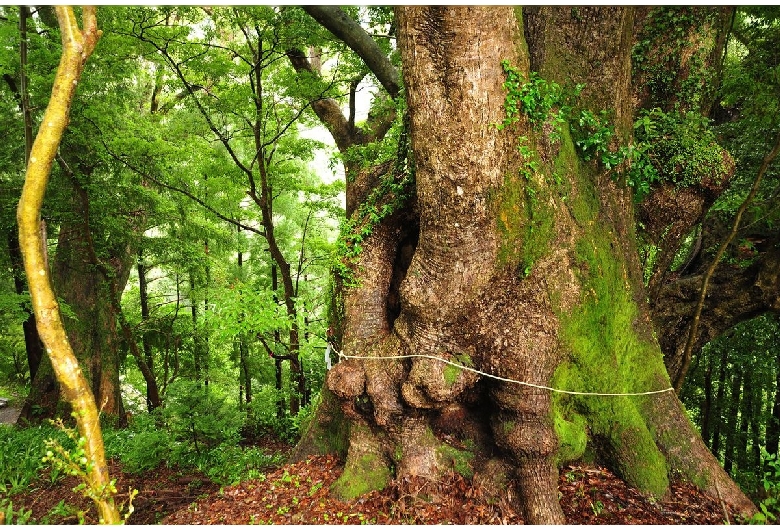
(194, 245)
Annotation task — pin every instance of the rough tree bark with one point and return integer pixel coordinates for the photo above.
(524, 266)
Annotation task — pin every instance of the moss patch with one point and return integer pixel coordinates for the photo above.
(525, 220)
(457, 459)
(570, 428)
(366, 473)
(451, 372)
(606, 355)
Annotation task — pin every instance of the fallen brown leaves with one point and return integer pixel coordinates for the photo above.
(299, 494)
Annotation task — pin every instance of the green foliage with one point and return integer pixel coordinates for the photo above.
(730, 391)
(73, 461)
(677, 147)
(540, 100)
(748, 112)
(262, 415)
(770, 506)
(199, 419)
(664, 48)
(682, 147)
(21, 453)
(592, 135)
(145, 447)
(147, 444)
(10, 516)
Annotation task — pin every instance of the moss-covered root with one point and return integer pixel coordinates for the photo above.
(327, 432)
(366, 469)
(687, 454)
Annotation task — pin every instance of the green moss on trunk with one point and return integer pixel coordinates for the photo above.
(525, 219)
(608, 356)
(366, 473)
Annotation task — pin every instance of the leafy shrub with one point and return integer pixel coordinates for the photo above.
(146, 449)
(229, 465)
(262, 417)
(199, 418)
(21, 454)
(770, 506)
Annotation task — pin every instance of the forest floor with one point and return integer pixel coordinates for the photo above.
(298, 494)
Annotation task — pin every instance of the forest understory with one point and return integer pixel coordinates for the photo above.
(299, 494)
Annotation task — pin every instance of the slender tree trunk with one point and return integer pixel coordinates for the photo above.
(197, 347)
(720, 405)
(746, 412)
(205, 336)
(773, 426)
(757, 399)
(145, 321)
(706, 413)
(77, 47)
(732, 425)
(243, 349)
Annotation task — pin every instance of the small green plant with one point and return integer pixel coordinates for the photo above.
(10, 516)
(314, 488)
(64, 510)
(597, 507)
(74, 462)
(769, 508)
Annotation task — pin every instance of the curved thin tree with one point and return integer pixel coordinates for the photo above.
(77, 45)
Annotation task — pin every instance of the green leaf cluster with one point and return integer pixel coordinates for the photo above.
(678, 147)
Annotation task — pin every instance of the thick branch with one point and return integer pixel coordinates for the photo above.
(686, 359)
(326, 109)
(335, 20)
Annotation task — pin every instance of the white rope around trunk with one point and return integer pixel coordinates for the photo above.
(505, 379)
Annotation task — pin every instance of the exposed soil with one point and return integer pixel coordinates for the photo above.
(9, 414)
(298, 494)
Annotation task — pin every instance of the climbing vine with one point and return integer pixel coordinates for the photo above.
(677, 147)
(391, 195)
(664, 50)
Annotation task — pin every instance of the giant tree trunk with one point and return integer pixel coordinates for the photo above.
(87, 288)
(525, 268)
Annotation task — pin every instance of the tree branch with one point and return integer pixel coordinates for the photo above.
(335, 20)
(711, 270)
